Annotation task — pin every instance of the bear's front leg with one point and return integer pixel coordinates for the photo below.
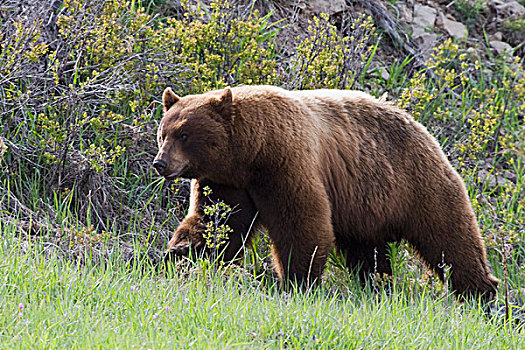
(190, 235)
(298, 218)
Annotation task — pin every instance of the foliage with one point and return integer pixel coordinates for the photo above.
(327, 59)
(216, 217)
(480, 118)
(78, 96)
(79, 105)
(516, 24)
(224, 49)
(470, 10)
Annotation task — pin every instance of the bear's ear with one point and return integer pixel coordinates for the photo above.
(224, 103)
(169, 99)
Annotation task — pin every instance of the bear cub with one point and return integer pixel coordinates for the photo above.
(319, 169)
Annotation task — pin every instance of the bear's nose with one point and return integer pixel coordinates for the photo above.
(159, 165)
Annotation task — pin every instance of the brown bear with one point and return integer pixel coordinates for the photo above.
(321, 168)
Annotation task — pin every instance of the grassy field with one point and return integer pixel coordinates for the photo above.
(84, 219)
(51, 303)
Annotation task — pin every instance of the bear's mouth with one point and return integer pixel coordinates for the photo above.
(177, 173)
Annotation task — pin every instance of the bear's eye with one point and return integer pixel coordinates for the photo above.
(184, 137)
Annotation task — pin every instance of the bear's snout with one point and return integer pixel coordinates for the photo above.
(171, 168)
(160, 165)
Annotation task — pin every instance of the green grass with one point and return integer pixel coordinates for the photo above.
(51, 303)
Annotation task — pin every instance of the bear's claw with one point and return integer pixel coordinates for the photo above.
(179, 250)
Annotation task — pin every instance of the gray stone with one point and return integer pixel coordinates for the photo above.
(454, 29)
(501, 47)
(424, 16)
(510, 176)
(426, 42)
(498, 36)
(487, 73)
(508, 9)
(405, 14)
(487, 177)
(329, 7)
(493, 179)
(384, 74)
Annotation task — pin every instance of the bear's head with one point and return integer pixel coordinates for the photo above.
(194, 135)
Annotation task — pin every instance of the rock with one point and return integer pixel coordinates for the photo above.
(405, 14)
(510, 176)
(508, 9)
(384, 74)
(493, 179)
(496, 36)
(487, 177)
(424, 16)
(487, 73)
(501, 47)
(426, 42)
(329, 7)
(454, 29)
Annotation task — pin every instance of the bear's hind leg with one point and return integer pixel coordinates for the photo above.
(457, 244)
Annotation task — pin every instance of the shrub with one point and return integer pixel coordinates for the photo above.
(479, 119)
(79, 118)
(328, 59)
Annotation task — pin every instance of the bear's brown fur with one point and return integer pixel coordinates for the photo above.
(321, 168)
